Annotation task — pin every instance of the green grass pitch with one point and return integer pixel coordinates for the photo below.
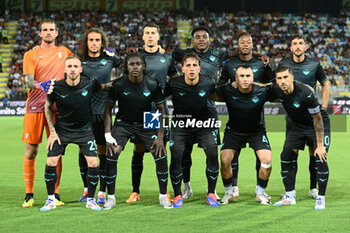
(244, 215)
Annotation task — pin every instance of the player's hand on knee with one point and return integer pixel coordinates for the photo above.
(111, 144)
(52, 138)
(47, 87)
(322, 153)
(158, 145)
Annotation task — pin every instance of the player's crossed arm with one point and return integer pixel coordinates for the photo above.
(47, 87)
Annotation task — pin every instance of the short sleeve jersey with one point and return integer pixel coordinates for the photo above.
(134, 99)
(299, 105)
(73, 104)
(189, 100)
(245, 109)
(45, 64)
(261, 73)
(100, 68)
(308, 71)
(159, 66)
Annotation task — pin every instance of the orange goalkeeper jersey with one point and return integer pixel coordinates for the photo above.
(45, 64)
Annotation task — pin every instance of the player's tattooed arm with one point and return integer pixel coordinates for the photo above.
(158, 144)
(319, 130)
(111, 144)
(53, 135)
(29, 79)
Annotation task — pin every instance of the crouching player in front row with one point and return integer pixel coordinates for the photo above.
(303, 108)
(135, 93)
(72, 96)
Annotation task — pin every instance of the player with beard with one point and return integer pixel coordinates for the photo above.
(40, 67)
(97, 63)
(262, 74)
(308, 71)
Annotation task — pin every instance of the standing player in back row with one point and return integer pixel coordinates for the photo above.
(158, 66)
(262, 74)
(303, 109)
(40, 67)
(308, 71)
(97, 63)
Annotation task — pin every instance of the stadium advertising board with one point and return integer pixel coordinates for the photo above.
(341, 105)
(15, 5)
(36, 5)
(69, 5)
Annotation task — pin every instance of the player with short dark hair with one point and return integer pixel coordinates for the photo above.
(308, 71)
(303, 109)
(158, 66)
(97, 62)
(135, 94)
(72, 96)
(190, 94)
(262, 74)
(40, 68)
(245, 125)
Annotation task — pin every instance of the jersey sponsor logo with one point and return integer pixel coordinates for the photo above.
(181, 93)
(84, 92)
(255, 99)
(212, 58)
(151, 120)
(103, 62)
(201, 93)
(126, 93)
(162, 60)
(306, 72)
(296, 104)
(41, 57)
(255, 69)
(146, 93)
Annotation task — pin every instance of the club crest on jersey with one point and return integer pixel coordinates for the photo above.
(59, 54)
(212, 58)
(296, 104)
(255, 69)
(162, 60)
(306, 72)
(84, 62)
(234, 69)
(234, 97)
(126, 93)
(84, 92)
(146, 93)
(255, 99)
(103, 62)
(181, 93)
(201, 93)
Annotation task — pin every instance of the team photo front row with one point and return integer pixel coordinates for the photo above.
(191, 94)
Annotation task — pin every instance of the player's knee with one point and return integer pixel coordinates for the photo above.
(138, 148)
(52, 161)
(101, 149)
